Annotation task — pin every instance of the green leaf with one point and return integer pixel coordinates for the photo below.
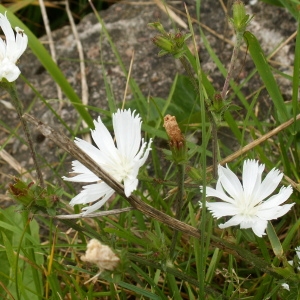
(266, 75)
(138, 291)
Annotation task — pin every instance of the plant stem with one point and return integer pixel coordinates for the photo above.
(214, 128)
(236, 49)
(178, 205)
(11, 88)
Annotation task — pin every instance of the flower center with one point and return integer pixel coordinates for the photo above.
(246, 207)
(121, 168)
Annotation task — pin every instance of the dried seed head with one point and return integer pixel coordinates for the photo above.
(176, 138)
(173, 132)
(101, 255)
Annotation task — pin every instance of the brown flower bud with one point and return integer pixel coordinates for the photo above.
(173, 132)
(176, 138)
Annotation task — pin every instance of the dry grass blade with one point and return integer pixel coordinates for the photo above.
(15, 164)
(84, 85)
(50, 40)
(165, 8)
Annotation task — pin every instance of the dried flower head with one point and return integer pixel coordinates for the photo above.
(101, 255)
(176, 138)
(173, 131)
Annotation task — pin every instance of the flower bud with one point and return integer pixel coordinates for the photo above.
(163, 43)
(176, 138)
(240, 19)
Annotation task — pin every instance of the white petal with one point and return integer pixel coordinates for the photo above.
(78, 167)
(103, 140)
(268, 185)
(9, 70)
(230, 182)
(221, 209)
(89, 209)
(252, 172)
(143, 154)
(9, 34)
(210, 192)
(90, 150)
(127, 128)
(82, 178)
(85, 175)
(259, 227)
(235, 220)
(91, 193)
(21, 44)
(274, 212)
(275, 200)
(130, 185)
(2, 49)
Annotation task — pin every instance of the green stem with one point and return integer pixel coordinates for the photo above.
(178, 205)
(11, 89)
(236, 49)
(184, 61)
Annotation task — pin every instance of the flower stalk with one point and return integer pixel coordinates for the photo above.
(178, 206)
(240, 22)
(178, 148)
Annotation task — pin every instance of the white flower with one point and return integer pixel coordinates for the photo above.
(11, 50)
(285, 286)
(246, 202)
(122, 161)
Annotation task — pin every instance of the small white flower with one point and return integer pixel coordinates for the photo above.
(252, 2)
(122, 161)
(11, 50)
(285, 286)
(246, 202)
